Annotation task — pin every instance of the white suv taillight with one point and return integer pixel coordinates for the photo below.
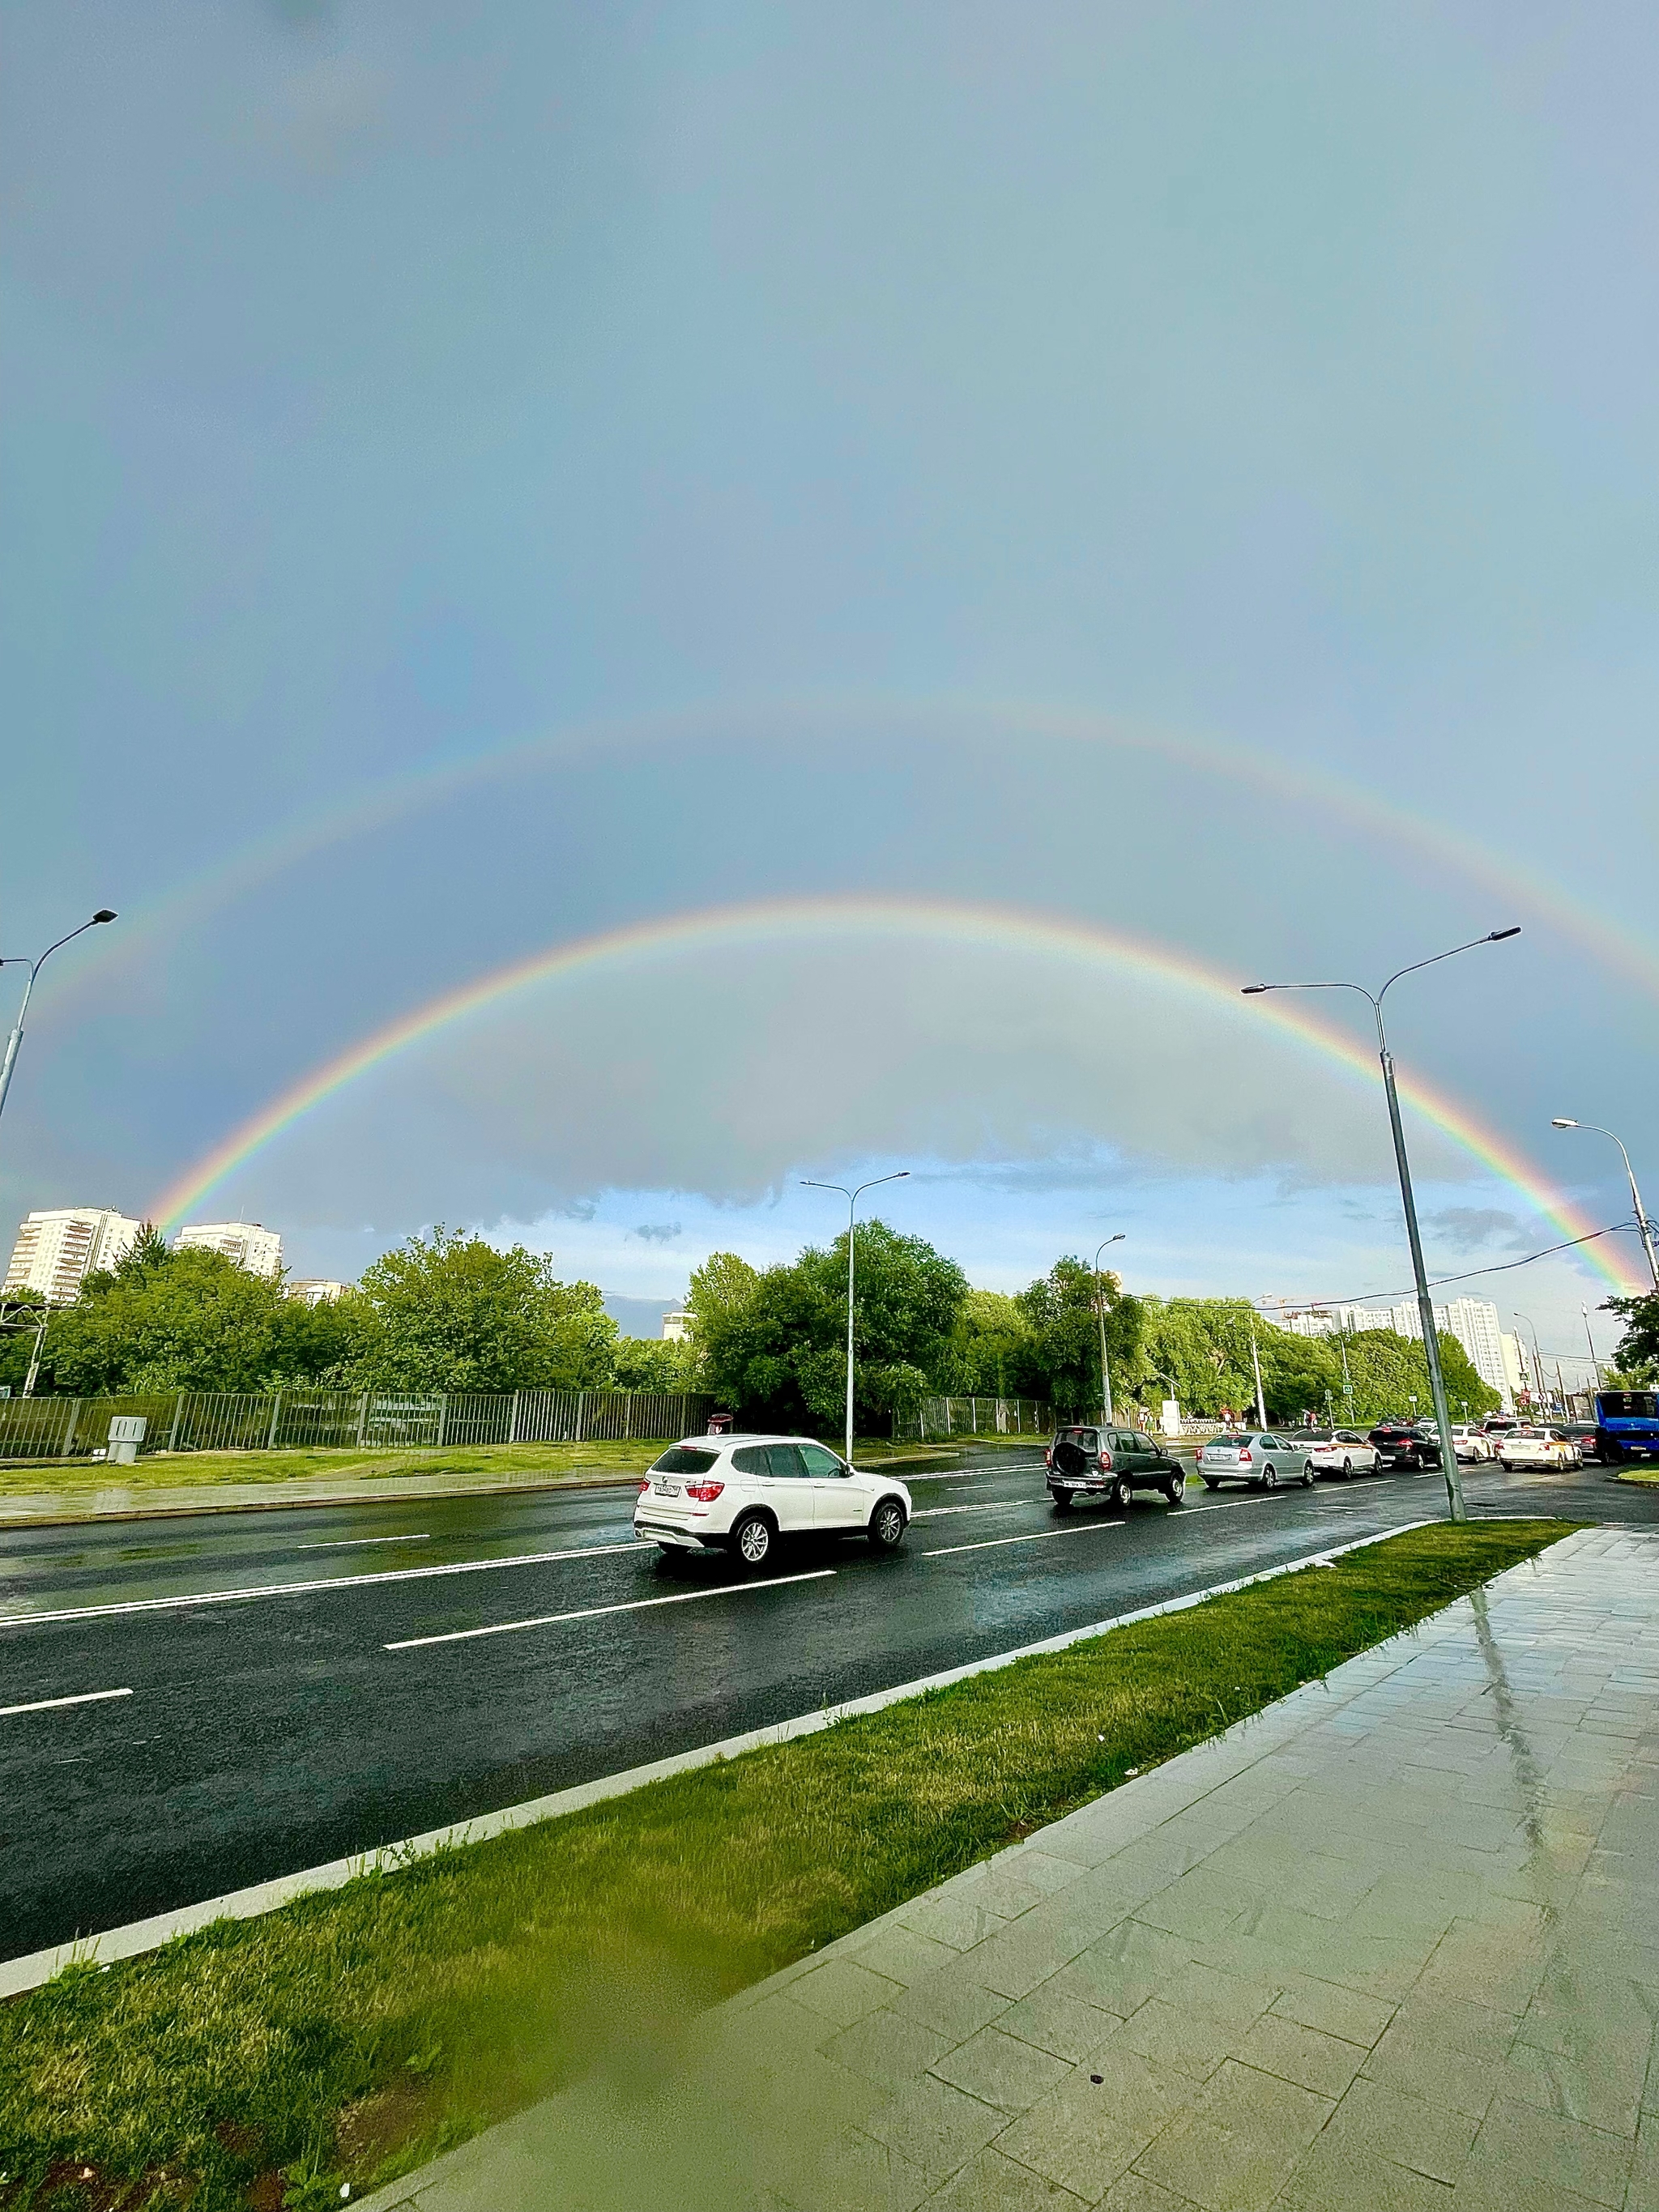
(646, 1485)
(704, 1493)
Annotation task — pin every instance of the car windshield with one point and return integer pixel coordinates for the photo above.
(684, 1459)
(1085, 1439)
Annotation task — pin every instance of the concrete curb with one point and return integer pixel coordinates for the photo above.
(29, 1972)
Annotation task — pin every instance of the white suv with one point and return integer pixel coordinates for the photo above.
(741, 1493)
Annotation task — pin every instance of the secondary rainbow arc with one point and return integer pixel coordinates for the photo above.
(767, 921)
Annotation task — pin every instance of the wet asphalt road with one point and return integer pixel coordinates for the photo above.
(267, 1732)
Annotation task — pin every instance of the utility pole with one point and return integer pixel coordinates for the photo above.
(1256, 1362)
(1425, 1303)
(1100, 1315)
(851, 1198)
(1650, 1241)
(34, 966)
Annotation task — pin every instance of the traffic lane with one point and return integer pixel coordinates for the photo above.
(279, 1734)
(112, 1562)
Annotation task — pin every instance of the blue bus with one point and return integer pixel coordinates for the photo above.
(1628, 1422)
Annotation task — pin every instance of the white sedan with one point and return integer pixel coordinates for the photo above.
(740, 1494)
(1346, 1452)
(1472, 1445)
(1530, 1447)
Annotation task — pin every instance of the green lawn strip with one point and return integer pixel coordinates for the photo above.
(171, 1470)
(355, 2033)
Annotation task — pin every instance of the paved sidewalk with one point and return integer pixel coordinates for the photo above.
(1392, 1946)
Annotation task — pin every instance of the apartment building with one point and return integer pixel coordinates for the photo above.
(1474, 1322)
(57, 1248)
(250, 1246)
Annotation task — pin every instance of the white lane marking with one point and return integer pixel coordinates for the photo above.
(304, 1589)
(52, 1705)
(1000, 1505)
(1042, 1536)
(355, 1543)
(594, 1612)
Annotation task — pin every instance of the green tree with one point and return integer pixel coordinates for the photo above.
(1637, 1355)
(1059, 1309)
(992, 1350)
(772, 1344)
(179, 1319)
(450, 1312)
(644, 1362)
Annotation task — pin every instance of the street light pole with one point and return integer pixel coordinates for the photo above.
(1537, 1358)
(34, 966)
(1100, 1312)
(851, 1198)
(1255, 1363)
(1589, 1338)
(1650, 1243)
(1425, 1303)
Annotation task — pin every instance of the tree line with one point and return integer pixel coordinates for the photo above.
(451, 1312)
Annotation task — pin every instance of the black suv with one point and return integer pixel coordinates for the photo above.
(1094, 1461)
(1399, 1444)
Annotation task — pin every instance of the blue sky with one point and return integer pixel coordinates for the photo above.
(768, 393)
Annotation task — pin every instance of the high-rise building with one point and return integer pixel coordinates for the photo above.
(1473, 1321)
(259, 1250)
(677, 1327)
(316, 1291)
(57, 1248)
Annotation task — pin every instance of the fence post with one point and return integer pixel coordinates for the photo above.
(69, 1433)
(628, 1418)
(582, 1414)
(362, 1420)
(513, 1423)
(275, 1414)
(443, 1417)
(973, 1413)
(178, 1416)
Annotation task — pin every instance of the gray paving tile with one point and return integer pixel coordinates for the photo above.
(1001, 2070)
(1234, 2148)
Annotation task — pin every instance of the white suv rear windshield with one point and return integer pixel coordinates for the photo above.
(686, 1459)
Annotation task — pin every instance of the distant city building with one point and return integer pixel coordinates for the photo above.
(318, 1291)
(1517, 1373)
(677, 1327)
(259, 1250)
(57, 1249)
(1473, 1321)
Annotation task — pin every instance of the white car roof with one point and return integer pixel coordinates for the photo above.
(742, 1437)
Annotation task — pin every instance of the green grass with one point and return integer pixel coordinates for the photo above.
(355, 2034)
(166, 1470)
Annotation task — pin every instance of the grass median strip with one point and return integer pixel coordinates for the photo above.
(355, 2033)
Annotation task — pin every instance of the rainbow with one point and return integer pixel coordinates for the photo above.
(769, 922)
(379, 805)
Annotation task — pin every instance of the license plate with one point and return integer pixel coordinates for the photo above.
(668, 1490)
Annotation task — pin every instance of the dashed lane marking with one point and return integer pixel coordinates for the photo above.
(53, 1704)
(594, 1612)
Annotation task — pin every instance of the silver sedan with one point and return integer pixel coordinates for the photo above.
(1257, 1456)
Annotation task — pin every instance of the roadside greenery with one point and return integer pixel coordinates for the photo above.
(1637, 1355)
(355, 2034)
(79, 1480)
(451, 1312)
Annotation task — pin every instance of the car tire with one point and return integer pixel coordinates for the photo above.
(753, 1540)
(1122, 1495)
(1176, 1489)
(1062, 1500)
(1270, 1477)
(887, 1526)
(1507, 1468)
(1211, 1482)
(1347, 1470)
(1307, 1474)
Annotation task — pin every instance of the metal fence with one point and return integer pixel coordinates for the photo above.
(278, 1420)
(970, 1417)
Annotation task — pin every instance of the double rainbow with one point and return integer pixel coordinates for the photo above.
(769, 922)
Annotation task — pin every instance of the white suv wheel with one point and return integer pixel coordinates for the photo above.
(887, 1525)
(753, 1540)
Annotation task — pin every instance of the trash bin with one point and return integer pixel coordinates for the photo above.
(127, 1433)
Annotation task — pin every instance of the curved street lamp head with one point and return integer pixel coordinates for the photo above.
(1254, 990)
(1560, 1121)
(1497, 936)
(105, 913)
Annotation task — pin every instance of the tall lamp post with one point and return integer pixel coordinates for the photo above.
(1537, 1358)
(1100, 1314)
(851, 1198)
(34, 966)
(1425, 1303)
(1589, 1338)
(1650, 1243)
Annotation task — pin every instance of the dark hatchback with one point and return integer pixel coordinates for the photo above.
(1094, 1461)
(1399, 1443)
